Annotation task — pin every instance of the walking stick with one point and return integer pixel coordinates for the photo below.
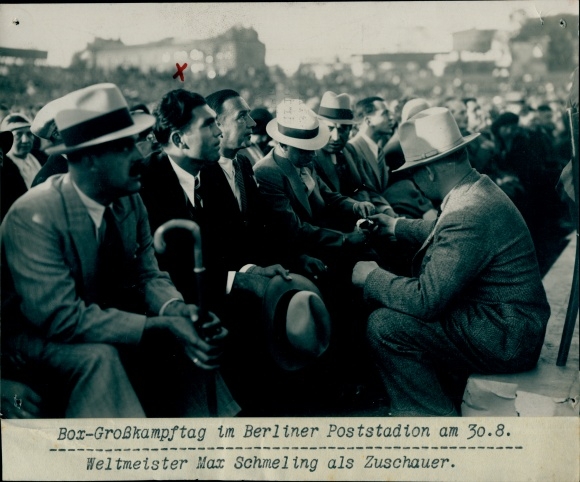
(199, 272)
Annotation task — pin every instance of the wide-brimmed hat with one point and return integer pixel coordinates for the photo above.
(297, 323)
(296, 125)
(14, 121)
(430, 135)
(6, 139)
(336, 108)
(412, 107)
(95, 115)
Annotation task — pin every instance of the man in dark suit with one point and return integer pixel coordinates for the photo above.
(89, 321)
(338, 163)
(189, 179)
(475, 302)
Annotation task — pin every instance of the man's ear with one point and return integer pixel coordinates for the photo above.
(176, 139)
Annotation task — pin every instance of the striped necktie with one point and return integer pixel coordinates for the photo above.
(240, 183)
(197, 194)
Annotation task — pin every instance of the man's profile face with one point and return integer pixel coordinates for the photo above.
(117, 167)
(235, 123)
(381, 120)
(339, 135)
(201, 137)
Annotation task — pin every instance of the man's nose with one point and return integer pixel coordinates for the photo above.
(251, 122)
(334, 135)
(216, 131)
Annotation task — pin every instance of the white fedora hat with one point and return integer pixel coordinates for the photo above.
(95, 115)
(430, 135)
(336, 108)
(296, 125)
(297, 322)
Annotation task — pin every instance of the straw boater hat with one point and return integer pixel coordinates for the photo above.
(297, 323)
(296, 125)
(95, 115)
(336, 108)
(430, 135)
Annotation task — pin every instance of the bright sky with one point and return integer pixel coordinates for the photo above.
(291, 30)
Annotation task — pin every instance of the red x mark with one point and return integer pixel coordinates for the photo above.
(180, 69)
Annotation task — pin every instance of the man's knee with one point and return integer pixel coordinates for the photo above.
(383, 325)
(97, 357)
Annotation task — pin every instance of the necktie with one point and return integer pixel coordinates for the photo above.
(197, 194)
(240, 183)
(111, 258)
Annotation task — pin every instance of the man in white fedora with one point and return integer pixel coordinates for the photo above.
(84, 302)
(475, 301)
(337, 163)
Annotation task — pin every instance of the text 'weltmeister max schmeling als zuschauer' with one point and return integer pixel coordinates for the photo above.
(278, 446)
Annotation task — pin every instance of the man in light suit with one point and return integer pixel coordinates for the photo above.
(475, 300)
(375, 129)
(85, 308)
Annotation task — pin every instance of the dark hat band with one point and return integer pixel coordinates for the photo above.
(97, 127)
(298, 133)
(342, 114)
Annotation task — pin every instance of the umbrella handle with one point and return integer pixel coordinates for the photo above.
(198, 268)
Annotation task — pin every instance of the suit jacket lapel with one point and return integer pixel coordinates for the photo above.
(82, 230)
(372, 160)
(324, 162)
(295, 181)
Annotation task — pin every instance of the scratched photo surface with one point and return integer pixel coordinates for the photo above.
(306, 347)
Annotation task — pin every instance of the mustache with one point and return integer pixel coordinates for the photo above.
(137, 168)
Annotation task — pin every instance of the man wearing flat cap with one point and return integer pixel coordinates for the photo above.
(475, 299)
(87, 314)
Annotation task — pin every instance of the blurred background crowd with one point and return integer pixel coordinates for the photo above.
(510, 86)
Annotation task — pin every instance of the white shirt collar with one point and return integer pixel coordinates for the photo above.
(372, 144)
(228, 167)
(186, 180)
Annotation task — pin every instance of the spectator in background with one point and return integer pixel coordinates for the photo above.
(260, 141)
(481, 150)
(21, 163)
(375, 129)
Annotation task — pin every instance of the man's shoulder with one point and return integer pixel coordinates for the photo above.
(266, 164)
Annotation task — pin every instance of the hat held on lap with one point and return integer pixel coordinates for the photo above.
(430, 135)
(297, 323)
(6, 139)
(336, 108)
(296, 125)
(95, 115)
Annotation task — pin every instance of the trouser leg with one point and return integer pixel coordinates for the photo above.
(93, 380)
(409, 354)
